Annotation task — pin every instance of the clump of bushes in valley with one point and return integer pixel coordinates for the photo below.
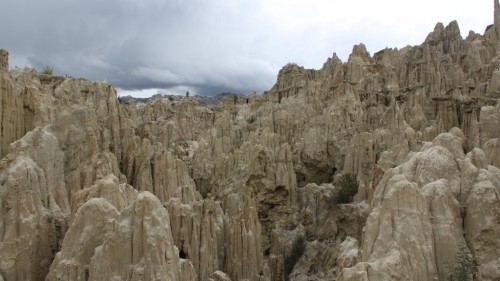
(465, 268)
(347, 185)
(318, 177)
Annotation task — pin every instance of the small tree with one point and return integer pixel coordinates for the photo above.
(347, 185)
(298, 248)
(465, 268)
(47, 70)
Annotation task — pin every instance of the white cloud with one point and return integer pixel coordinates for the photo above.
(144, 93)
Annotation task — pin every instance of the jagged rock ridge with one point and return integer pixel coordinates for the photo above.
(94, 188)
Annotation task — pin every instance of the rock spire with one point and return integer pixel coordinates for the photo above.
(4, 60)
(497, 13)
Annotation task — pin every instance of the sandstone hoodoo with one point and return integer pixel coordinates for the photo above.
(384, 167)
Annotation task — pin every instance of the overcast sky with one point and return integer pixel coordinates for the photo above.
(212, 46)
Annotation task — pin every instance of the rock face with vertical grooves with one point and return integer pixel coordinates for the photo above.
(96, 187)
(418, 204)
(141, 239)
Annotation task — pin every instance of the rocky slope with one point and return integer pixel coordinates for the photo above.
(97, 188)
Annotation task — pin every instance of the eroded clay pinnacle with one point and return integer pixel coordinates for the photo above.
(497, 13)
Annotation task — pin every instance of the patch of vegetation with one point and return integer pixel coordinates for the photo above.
(319, 177)
(298, 248)
(347, 185)
(47, 70)
(465, 268)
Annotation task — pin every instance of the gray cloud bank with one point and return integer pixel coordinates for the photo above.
(207, 46)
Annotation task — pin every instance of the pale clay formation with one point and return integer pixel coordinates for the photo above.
(94, 188)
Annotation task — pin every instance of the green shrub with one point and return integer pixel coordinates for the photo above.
(347, 185)
(298, 248)
(47, 70)
(318, 177)
(465, 268)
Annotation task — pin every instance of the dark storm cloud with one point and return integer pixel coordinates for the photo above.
(138, 44)
(207, 46)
